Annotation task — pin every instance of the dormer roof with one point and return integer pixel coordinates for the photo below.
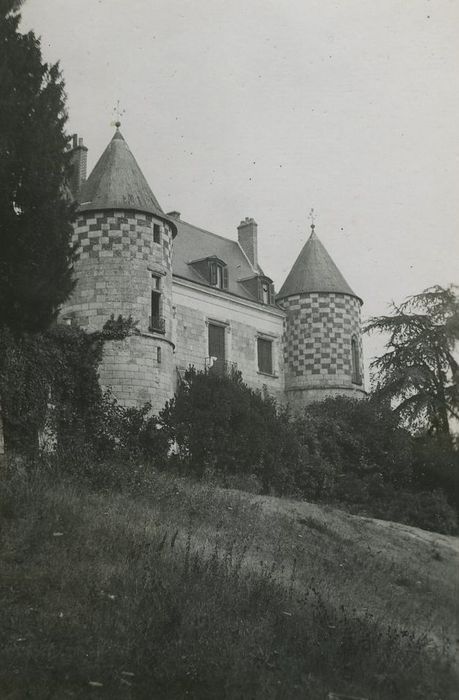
(314, 271)
(117, 182)
(194, 245)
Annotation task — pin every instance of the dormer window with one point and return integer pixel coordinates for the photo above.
(261, 288)
(213, 271)
(218, 274)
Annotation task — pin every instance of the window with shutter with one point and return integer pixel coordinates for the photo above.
(265, 291)
(218, 275)
(213, 274)
(265, 355)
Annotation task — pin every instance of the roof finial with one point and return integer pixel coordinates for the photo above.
(312, 216)
(118, 113)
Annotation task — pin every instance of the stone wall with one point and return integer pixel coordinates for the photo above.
(297, 399)
(243, 320)
(139, 369)
(117, 259)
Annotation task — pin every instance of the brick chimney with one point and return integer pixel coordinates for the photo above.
(247, 237)
(78, 161)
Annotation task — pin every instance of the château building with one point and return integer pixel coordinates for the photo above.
(203, 299)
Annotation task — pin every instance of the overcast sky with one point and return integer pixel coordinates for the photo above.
(267, 108)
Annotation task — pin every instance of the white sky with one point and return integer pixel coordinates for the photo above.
(267, 108)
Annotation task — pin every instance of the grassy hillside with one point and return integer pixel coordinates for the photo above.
(192, 591)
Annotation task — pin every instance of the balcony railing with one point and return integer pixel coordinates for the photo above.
(214, 365)
(157, 324)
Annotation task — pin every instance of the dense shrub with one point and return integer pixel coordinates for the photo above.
(218, 423)
(128, 431)
(358, 457)
(349, 450)
(436, 466)
(428, 510)
(360, 437)
(346, 452)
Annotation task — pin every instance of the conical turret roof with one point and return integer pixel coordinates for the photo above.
(118, 183)
(314, 271)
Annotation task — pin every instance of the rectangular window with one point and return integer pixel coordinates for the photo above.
(155, 282)
(158, 355)
(217, 342)
(156, 233)
(157, 322)
(155, 304)
(265, 355)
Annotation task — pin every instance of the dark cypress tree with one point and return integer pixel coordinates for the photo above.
(35, 212)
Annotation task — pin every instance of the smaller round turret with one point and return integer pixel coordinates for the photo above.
(322, 339)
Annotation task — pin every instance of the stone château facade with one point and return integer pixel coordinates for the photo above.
(201, 299)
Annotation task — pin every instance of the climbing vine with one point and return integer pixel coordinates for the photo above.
(52, 378)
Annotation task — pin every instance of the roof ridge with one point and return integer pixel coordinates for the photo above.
(248, 259)
(204, 230)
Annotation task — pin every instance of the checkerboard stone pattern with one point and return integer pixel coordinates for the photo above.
(319, 328)
(116, 259)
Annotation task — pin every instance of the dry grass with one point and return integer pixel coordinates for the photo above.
(193, 591)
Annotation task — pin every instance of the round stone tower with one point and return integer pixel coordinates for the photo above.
(124, 267)
(322, 338)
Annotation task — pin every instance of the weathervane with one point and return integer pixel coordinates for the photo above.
(118, 113)
(312, 216)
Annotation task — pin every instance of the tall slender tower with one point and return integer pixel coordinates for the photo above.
(124, 267)
(323, 340)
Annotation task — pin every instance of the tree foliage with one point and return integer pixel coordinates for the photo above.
(52, 377)
(35, 211)
(342, 451)
(219, 423)
(357, 437)
(418, 373)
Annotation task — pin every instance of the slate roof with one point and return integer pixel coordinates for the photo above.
(194, 243)
(117, 182)
(314, 271)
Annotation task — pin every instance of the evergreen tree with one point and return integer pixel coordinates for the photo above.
(419, 372)
(35, 212)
